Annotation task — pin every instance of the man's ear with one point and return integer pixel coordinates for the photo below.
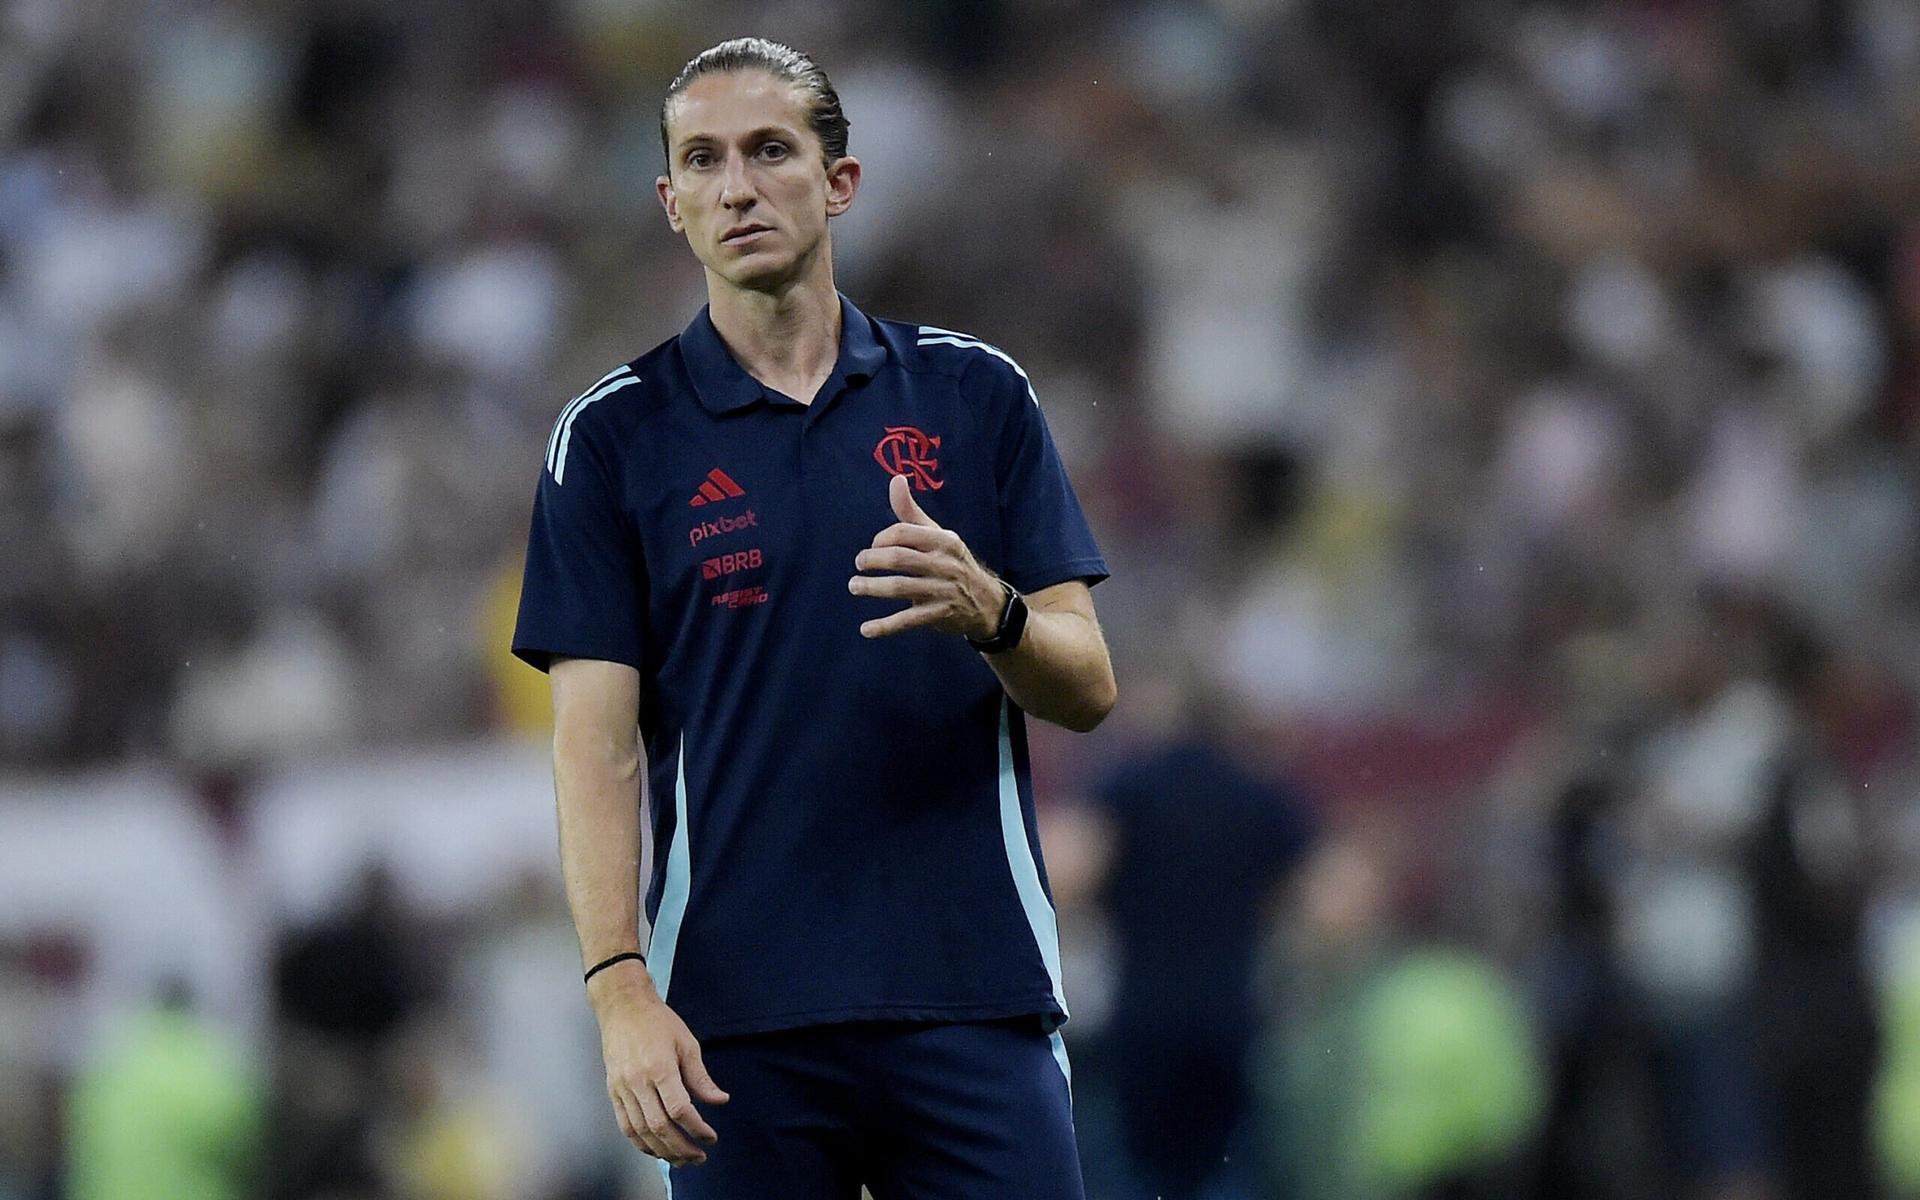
(843, 180)
(670, 202)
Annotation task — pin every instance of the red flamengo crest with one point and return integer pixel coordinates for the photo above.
(907, 451)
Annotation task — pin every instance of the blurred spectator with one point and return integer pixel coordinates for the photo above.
(451, 1139)
(353, 978)
(347, 989)
(1896, 1110)
(1200, 846)
(1395, 1071)
(1595, 1045)
(1818, 1036)
(1685, 907)
(536, 1051)
(168, 1110)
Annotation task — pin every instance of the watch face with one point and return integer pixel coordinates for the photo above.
(1016, 625)
(1013, 620)
(1013, 624)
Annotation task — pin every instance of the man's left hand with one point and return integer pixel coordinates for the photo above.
(932, 569)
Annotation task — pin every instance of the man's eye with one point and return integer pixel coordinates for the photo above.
(774, 150)
(699, 158)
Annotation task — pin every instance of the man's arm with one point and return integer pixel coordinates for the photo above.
(652, 1060)
(1059, 672)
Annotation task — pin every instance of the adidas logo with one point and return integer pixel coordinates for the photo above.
(717, 486)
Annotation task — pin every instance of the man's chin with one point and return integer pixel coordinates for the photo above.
(757, 272)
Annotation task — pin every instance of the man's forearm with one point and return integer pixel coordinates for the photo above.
(597, 787)
(1060, 671)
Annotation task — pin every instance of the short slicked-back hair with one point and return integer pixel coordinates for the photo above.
(781, 62)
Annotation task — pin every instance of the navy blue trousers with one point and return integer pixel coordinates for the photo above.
(912, 1111)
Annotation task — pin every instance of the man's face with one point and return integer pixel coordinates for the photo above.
(746, 180)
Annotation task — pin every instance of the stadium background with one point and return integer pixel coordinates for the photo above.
(1500, 416)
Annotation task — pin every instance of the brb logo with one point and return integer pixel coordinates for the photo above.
(907, 451)
(707, 529)
(731, 564)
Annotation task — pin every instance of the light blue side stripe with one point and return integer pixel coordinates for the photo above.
(1026, 881)
(949, 338)
(1026, 872)
(673, 897)
(666, 1176)
(553, 439)
(559, 464)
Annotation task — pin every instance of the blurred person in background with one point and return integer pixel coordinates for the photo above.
(347, 988)
(535, 1042)
(1199, 845)
(1711, 773)
(168, 1110)
(1896, 1097)
(448, 1137)
(1593, 1044)
(849, 918)
(1395, 1068)
(1818, 1034)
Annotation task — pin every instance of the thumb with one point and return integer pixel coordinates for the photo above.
(900, 494)
(694, 1072)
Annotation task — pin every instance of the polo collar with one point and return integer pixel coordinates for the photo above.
(724, 386)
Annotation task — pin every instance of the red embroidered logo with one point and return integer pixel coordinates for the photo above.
(717, 486)
(907, 451)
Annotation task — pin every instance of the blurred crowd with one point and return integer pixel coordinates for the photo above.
(1501, 418)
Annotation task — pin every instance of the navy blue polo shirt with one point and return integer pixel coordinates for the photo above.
(843, 827)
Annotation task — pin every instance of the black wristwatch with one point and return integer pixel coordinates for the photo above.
(1013, 624)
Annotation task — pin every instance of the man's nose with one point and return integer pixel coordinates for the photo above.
(736, 188)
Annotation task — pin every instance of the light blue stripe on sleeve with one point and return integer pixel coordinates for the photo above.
(553, 439)
(673, 895)
(941, 337)
(559, 463)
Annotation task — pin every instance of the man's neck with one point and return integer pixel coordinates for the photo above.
(789, 340)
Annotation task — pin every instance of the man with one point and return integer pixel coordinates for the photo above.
(851, 932)
(1184, 1016)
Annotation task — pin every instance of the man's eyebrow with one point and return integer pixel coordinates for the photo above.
(764, 133)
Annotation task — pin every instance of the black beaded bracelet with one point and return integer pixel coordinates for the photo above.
(604, 963)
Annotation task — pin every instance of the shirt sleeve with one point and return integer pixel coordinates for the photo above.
(1043, 534)
(584, 594)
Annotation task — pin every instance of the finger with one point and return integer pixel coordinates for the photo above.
(643, 1137)
(632, 1125)
(674, 1144)
(899, 587)
(896, 560)
(680, 1110)
(694, 1070)
(920, 537)
(907, 618)
(900, 494)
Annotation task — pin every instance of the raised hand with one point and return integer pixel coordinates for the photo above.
(931, 568)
